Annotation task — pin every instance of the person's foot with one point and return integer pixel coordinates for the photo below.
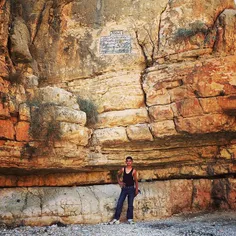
(131, 222)
(114, 222)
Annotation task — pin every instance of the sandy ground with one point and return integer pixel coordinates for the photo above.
(205, 224)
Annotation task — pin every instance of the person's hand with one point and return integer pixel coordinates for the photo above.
(136, 192)
(122, 184)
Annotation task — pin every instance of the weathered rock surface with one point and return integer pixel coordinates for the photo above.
(96, 204)
(20, 41)
(84, 84)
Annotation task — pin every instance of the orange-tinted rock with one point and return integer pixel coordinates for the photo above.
(22, 131)
(210, 105)
(180, 93)
(4, 111)
(2, 142)
(225, 40)
(4, 86)
(168, 84)
(14, 144)
(24, 112)
(213, 77)
(162, 112)
(157, 97)
(62, 179)
(14, 119)
(232, 193)
(189, 107)
(205, 123)
(228, 104)
(163, 128)
(7, 129)
(180, 195)
(183, 29)
(3, 73)
(201, 194)
(5, 15)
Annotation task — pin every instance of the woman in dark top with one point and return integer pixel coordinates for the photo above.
(127, 189)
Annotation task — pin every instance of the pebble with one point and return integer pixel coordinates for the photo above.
(201, 224)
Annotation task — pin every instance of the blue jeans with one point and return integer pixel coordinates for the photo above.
(130, 192)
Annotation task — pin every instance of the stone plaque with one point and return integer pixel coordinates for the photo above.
(115, 43)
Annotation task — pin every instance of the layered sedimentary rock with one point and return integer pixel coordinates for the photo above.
(85, 83)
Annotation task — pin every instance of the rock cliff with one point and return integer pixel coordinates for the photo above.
(83, 84)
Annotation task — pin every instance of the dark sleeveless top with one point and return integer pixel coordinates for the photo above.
(128, 178)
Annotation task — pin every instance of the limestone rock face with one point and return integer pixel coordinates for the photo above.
(20, 41)
(111, 91)
(123, 118)
(45, 206)
(83, 84)
(110, 135)
(69, 115)
(57, 96)
(76, 28)
(140, 132)
(74, 132)
(189, 26)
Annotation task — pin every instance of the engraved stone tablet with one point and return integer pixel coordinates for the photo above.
(115, 43)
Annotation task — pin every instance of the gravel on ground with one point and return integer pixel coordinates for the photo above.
(198, 224)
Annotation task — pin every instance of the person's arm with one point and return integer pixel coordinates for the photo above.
(118, 176)
(135, 176)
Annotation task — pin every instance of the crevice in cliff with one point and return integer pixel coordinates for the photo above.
(8, 59)
(142, 50)
(148, 44)
(142, 74)
(25, 201)
(153, 46)
(191, 177)
(212, 177)
(142, 78)
(194, 192)
(159, 29)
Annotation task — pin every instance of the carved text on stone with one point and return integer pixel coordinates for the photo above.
(115, 43)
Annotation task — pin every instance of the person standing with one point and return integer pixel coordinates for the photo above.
(129, 187)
